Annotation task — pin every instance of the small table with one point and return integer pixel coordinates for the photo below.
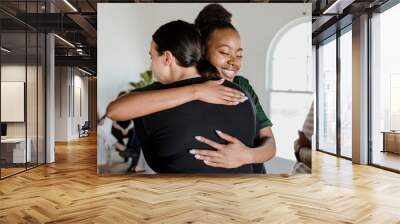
(391, 141)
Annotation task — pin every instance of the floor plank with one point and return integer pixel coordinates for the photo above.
(70, 191)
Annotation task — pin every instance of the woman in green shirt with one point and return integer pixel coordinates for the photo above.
(223, 51)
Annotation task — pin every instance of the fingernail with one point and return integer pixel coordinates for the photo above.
(197, 156)
(192, 151)
(205, 161)
(218, 131)
(243, 94)
(198, 138)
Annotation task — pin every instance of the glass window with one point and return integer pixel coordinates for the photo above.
(385, 87)
(327, 96)
(31, 97)
(15, 150)
(290, 89)
(22, 92)
(346, 94)
(41, 79)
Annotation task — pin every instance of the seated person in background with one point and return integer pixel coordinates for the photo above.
(302, 146)
(122, 130)
(133, 151)
(167, 136)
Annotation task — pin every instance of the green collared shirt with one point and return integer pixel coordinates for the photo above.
(262, 119)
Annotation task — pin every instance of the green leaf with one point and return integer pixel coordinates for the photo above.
(146, 78)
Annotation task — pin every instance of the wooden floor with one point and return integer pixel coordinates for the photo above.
(10, 171)
(5, 172)
(70, 191)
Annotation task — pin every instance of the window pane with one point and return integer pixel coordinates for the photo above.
(292, 59)
(31, 100)
(346, 94)
(290, 92)
(327, 97)
(15, 150)
(289, 117)
(386, 89)
(41, 98)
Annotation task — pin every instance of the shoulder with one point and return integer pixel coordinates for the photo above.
(240, 80)
(244, 84)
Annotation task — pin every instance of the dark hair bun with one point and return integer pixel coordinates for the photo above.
(212, 13)
(211, 18)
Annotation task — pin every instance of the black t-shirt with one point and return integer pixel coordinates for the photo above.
(167, 136)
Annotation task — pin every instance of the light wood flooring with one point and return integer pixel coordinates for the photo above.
(70, 191)
(10, 171)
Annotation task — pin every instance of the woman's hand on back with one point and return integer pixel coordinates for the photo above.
(214, 92)
(230, 155)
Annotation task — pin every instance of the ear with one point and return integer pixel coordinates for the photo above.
(169, 58)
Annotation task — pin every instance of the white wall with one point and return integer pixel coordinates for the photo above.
(14, 73)
(79, 117)
(61, 103)
(68, 81)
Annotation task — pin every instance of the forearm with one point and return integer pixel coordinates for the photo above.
(138, 104)
(264, 152)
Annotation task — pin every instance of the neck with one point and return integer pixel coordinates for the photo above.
(186, 73)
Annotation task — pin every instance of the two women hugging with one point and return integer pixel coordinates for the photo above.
(200, 116)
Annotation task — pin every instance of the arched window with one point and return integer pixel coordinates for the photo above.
(289, 83)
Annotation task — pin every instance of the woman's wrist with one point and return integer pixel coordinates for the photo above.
(249, 156)
(195, 91)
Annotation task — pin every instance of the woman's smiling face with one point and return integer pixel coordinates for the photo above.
(224, 51)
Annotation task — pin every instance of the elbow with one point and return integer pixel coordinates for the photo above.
(117, 112)
(274, 152)
(274, 149)
(110, 113)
